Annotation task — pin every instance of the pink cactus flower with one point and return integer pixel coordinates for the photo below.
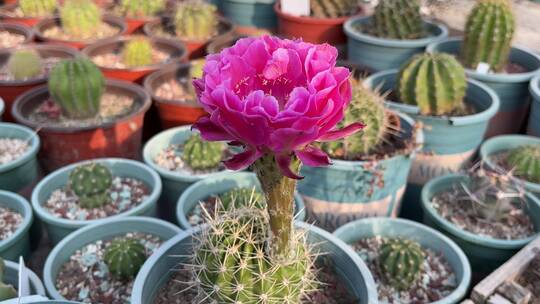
(274, 96)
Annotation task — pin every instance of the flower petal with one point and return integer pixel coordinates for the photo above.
(210, 131)
(284, 163)
(313, 157)
(242, 160)
(341, 133)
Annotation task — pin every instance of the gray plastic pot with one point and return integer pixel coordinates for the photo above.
(427, 237)
(100, 231)
(381, 53)
(512, 89)
(18, 244)
(485, 253)
(218, 184)
(11, 277)
(533, 127)
(58, 228)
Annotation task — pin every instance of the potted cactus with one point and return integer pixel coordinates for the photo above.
(12, 35)
(533, 127)
(508, 68)
(137, 13)
(394, 33)
(28, 12)
(9, 281)
(16, 218)
(86, 115)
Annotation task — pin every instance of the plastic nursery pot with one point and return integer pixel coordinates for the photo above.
(175, 49)
(221, 183)
(222, 42)
(19, 29)
(485, 253)
(533, 127)
(48, 23)
(11, 89)
(348, 190)
(425, 236)
(62, 145)
(134, 24)
(8, 15)
(11, 277)
(100, 231)
(18, 244)
(250, 13)
(58, 228)
(381, 53)
(449, 142)
(512, 89)
(352, 272)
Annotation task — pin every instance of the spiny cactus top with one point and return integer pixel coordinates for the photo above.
(6, 291)
(25, 64)
(124, 257)
(195, 20)
(525, 162)
(200, 154)
(141, 8)
(240, 197)
(401, 262)
(37, 8)
(137, 52)
(488, 34)
(398, 19)
(80, 18)
(91, 183)
(333, 8)
(435, 82)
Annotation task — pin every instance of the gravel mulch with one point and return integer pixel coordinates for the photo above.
(530, 278)
(48, 64)
(10, 220)
(114, 60)
(11, 149)
(170, 159)
(9, 39)
(175, 90)
(103, 31)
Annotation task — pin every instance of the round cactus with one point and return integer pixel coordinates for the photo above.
(401, 262)
(37, 8)
(6, 291)
(488, 34)
(199, 154)
(333, 8)
(76, 85)
(240, 197)
(137, 52)
(91, 184)
(124, 257)
(195, 20)
(24, 64)
(80, 18)
(436, 83)
(525, 161)
(398, 19)
(141, 8)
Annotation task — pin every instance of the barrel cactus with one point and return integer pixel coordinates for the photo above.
(401, 262)
(199, 154)
(141, 8)
(124, 257)
(488, 35)
(398, 19)
(435, 82)
(195, 20)
(24, 64)
(333, 8)
(76, 85)
(239, 197)
(37, 8)
(137, 52)
(91, 183)
(80, 18)
(6, 291)
(525, 162)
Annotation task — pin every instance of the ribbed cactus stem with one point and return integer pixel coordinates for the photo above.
(80, 18)
(525, 161)
(37, 8)
(24, 64)
(398, 19)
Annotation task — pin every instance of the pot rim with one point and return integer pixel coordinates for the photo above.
(31, 136)
(534, 88)
(13, 6)
(18, 29)
(27, 214)
(33, 278)
(313, 20)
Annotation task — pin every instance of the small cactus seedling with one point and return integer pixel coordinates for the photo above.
(137, 52)
(6, 291)
(436, 83)
(401, 262)
(37, 8)
(240, 197)
(91, 184)
(141, 8)
(124, 257)
(398, 19)
(488, 34)
(333, 8)
(24, 64)
(199, 154)
(76, 85)
(525, 162)
(195, 20)
(80, 18)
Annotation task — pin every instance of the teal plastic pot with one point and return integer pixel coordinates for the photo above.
(512, 89)
(352, 271)
(449, 142)
(21, 173)
(486, 254)
(427, 237)
(18, 244)
(100, 231)
(533, 127)
(349, 190)
(11, 277)
(58, 228)
(381, 53)
(218, 184)
(252, 13)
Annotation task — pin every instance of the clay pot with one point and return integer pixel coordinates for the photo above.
(20, 29)
(7, 17)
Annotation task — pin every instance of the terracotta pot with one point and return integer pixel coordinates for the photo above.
(10, 90)
(133, 24)
(176, 50)
(63, 145)
(47, 23)
(173, 113)
(7, 16)
(20, 29)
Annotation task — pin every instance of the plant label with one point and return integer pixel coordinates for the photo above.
(295, 7)
(482, 68)
(24, 283)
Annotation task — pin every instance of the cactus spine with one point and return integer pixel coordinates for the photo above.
(240, 197)
(141, 8)
(401, 262)
(398, 19)
(199, 154)
(37, 8)
(333, 8)
(124, 257)
(80, 18)
(137, 52)
(525, 162)
(6, 291)
(436, 83)
(24, 64)
(91, 183)
(77, 85)
(195, 20)
(488, 34)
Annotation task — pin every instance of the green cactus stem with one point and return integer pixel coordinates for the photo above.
(398, 19)
(6, 291)
(141, 8)
(525, 162)
(91, 183)
(333, 8)
(239, 197)
(37, 8)
(195, 20)
(80, 18)
(137, 52)
(25, 64)
(401, 262)
(124, 257)
(199, 154)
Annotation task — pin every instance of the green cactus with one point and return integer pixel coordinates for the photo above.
(137, 52)
(195, 71)
(525, 162)
(195, 20)
(240, 197)
(124, 257)
(37, 8)
(199, 154)
(398, 19)
(488, 35)
(91, 183)
(141, 8)
(435, 82)
(24, 64)
(6, 291)
(76, 85)
(80, 18)
(401, 262)
(333, 8)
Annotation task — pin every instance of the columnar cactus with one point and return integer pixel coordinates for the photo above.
(141, 8)
(436, 83)
(398, 19)
(525, 162)
(91, 183)
(401, 262)
(333, 8)
(240, 197)
(199, 154)
(195, 20)
(124, 257)
(488, 35)
(37, 8)
(76, 85)
(80, 18)
(6, 291)
(24, 64)
(137, 52)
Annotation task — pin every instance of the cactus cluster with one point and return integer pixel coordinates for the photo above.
(488, 35)
(124, 257)
(37, 8)
(137, 52)
(24, 64)
(401, 262)
(239, 197)
(435, 82)
(141, 8)
(80, 18)
(199, 154)
(525, 162)
(333, 8)
(195, 20)
(6, 291)
(76, 85)
(91, 183)
(398, 19)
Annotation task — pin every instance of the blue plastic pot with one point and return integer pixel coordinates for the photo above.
(348, 190)
(218, 184)
(11, 277)
(449, 142)
(427, 237)
(486, 254)
(100, 231)
(353, 273)
(21, 173)
(381, 53)
(533, 127)
(512, 89)
(252, 13)
(18, 244)
(58, 228)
